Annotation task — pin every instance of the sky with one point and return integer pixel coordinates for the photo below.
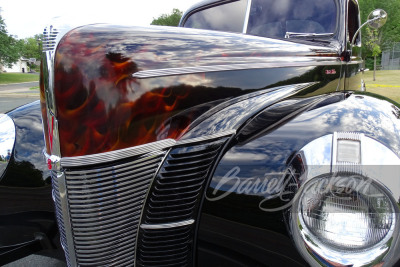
(25, 18)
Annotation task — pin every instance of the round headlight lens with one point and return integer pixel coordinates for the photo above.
(7, 139)
(346, 213)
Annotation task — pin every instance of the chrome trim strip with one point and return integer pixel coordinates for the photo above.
(201, 69)
(166, 225)
(246, 19)
(66, 217)
(117, 154)
(48, 76)
(133, 151)
(205, 138)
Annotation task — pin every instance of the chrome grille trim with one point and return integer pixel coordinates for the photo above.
(117, 154)
(136, 150)
(49, 38)
(105, 204)
(166, 225)
(63, 219)
(103, 198)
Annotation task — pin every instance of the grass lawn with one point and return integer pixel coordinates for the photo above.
(387, 83)
(6, 78)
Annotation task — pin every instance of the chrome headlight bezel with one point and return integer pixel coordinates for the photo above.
(7, 141)
(317, 251)
(354, 156)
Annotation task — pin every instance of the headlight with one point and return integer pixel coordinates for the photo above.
(7, 140)
(346, 212)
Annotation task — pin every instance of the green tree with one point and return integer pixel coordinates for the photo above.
(372, 42)
(388, 34)
(30, 47)
(9, 46)
(168, 19)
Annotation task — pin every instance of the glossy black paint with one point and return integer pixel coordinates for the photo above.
(243, 222)
(26, 207)
(234, 230)
(27, 156)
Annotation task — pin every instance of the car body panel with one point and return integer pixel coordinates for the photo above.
(147, 76)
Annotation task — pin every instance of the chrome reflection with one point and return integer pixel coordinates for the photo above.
(7, 140)
(291, 62)
(347, 210)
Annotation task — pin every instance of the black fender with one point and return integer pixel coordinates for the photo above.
(27, 214)
(240, 223)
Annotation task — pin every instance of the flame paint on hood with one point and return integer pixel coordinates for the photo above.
(101, 107)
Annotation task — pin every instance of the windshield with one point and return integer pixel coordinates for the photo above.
(292, 18)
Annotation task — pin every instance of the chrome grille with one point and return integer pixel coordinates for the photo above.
(49, 38)
(179, 183)
(169, 217)
(60, 220)
(105, 204)
(166, 247)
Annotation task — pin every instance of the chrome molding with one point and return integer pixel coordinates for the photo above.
(117, 154)
(246, 19)
(205, 138)
(66, 219)
(52, 36)
(133, 151)
(166, 225)
(216, 68)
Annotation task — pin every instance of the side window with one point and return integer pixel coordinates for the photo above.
(353, 22)
(227, 17)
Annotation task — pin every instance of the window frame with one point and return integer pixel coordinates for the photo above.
(215, 4)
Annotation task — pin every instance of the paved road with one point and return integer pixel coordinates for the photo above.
(4, 87)
(15, 95)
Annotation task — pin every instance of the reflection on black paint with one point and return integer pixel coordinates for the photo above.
(23, 174)
(271, 152)
(28, 168)
(26, 206)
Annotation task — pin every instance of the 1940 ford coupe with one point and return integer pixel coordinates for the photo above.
(244, 137)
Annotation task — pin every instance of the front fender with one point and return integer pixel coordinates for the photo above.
(26, 206)
(245, 209)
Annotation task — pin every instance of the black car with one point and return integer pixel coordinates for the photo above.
(243, 138)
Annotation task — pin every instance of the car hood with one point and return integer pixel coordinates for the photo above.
(117, 87)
